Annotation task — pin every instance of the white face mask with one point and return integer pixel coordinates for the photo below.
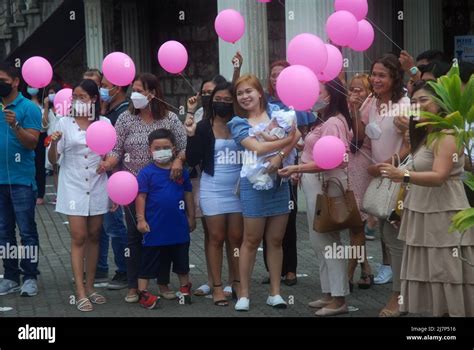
(373, 131)
(81, 109)
(320, 105)
(139, 100)
(163, 156)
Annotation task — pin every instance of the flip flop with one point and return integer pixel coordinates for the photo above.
(97, 298)
(84, 305)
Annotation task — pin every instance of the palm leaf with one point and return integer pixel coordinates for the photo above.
(462, 221)
(454, 70)
(470, 180)
(467, 99)
(456, 120)
(455, 93)
(444, 101)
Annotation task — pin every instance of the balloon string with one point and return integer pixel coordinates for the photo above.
(381, 31)
(166, 103)
(189, 83)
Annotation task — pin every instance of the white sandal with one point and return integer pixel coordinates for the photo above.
(227, 291)
(203, 290)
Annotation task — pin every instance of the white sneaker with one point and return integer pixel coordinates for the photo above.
(384, 275)
(243, 304)
(277, 302)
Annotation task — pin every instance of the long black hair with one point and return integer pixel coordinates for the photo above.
(91, 88)
(217, 80)
(220, 87)
(338, 103)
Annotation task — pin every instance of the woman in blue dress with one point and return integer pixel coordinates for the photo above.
(265, 212)
(210, 145)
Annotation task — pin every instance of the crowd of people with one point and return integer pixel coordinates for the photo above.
(236, 163)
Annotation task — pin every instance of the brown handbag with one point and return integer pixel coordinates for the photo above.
(336, 213)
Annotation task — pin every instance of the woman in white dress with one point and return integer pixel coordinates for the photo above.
(82, 193)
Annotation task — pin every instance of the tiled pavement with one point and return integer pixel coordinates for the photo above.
(56, 288)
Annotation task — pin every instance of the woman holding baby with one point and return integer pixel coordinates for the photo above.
(265, 212)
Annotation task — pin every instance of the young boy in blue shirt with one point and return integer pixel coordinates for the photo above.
(165, 216)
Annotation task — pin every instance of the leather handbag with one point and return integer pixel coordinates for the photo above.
(382, 195)
(336, 213)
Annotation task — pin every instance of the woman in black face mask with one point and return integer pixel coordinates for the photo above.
(207, 87)
(211, 146)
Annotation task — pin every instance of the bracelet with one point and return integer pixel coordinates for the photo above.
(140, 217)
(192, 113)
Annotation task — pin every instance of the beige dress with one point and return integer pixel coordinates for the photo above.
(433, 280)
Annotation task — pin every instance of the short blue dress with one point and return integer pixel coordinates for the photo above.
(218, 192)
(258, 203)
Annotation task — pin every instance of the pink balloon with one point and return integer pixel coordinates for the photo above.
(308, 50)
(342, 28)
(365, 37)
(101, 137)
(119, 69)
(62, 102)
(328, 152)
(122, 188)
(298, 87)
(37, 72)
(173, 57)
(230, 25)
(359, 8)
(334, 65)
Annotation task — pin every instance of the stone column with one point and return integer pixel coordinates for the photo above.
(135, 33)
(254, 43)
(423, 25)
(93, 27)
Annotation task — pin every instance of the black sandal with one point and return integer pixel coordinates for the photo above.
(364, 277)
(222, 302)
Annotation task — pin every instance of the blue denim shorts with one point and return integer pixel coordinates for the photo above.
(261, 204)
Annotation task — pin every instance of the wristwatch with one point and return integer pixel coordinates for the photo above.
(406, 176)
(282, 155)
(414, 71)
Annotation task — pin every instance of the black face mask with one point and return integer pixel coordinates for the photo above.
(5, 89)
(205, 101)
(223, 109)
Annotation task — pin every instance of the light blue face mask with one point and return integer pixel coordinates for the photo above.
(51, 97)
(104, 95)
(32, 91)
